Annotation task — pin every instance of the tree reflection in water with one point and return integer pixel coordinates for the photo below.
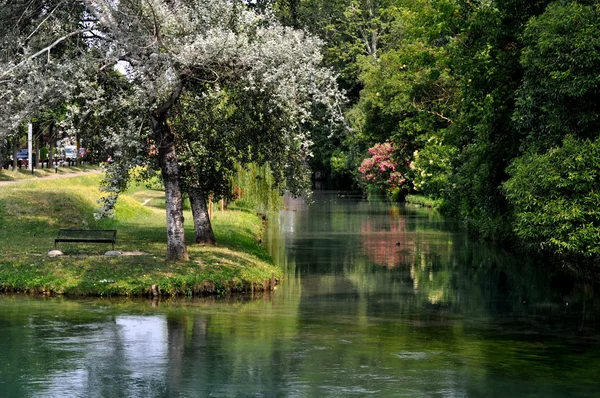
(356, 315)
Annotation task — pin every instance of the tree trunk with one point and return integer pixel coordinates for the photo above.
(77, 157)
(202, 227)
(2, 151)
(15, 150)
(51, 144)
(36, 143)
(164, 138)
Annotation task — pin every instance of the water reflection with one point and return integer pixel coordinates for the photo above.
(390, 244)
(457, 305)
(378, 300)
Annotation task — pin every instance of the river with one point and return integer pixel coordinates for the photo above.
(378, 300)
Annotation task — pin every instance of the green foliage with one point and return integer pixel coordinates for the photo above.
(255, 189)
(424, 201)
(356, 32)
(408, 92)
(431, 167)
(207, 149)
(556, 199)
(485, 58)
(339, 161)
(463, 89)
(561, 88)
(351, 29)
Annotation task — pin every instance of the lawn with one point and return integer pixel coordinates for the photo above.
(31, 213)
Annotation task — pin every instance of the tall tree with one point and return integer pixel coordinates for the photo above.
(214, 45)
(486, 61)
(409, 94)
(166, 48)
(552, 188)
(561, 84)
(352, 30)
(41, 43)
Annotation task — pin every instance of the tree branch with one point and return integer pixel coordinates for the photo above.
(45, 19)
(23, 13)
(164, 108)
(45, 50)
(156, 25)
(440, 115)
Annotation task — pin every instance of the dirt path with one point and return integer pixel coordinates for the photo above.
(51, 176)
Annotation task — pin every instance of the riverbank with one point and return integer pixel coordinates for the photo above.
(32, 212)
(423, 201)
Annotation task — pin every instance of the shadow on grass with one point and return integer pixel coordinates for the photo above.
(24, 174)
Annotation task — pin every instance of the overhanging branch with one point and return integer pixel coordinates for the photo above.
(45, 19)
(45, 50)
(164, 108)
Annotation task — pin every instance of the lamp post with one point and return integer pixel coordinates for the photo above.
(30, 146)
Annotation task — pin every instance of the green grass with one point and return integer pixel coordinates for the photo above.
(32, 212)
(424, 201)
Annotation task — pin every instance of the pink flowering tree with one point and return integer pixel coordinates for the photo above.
(380, 172)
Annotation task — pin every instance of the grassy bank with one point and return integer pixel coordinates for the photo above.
(424, 201)
(32, 212)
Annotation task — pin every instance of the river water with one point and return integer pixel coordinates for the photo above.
(378, 300)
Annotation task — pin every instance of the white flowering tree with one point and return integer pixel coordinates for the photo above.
(175, 49)
(41, 43)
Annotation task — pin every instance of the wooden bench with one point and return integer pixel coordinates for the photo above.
(87, 236)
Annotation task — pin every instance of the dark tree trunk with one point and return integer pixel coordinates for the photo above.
(36, 146)
(51, 145)
(2, 151)
(164, 137)
(15, 150)
(202, 227)
(77, 157)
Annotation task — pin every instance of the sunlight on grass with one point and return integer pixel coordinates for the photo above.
(24, 174)
(32, 212)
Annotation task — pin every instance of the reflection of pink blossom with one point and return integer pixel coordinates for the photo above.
(387, 241)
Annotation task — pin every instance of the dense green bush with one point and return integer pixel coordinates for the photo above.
(556, 198)
(431, 167)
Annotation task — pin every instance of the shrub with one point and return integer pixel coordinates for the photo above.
(431, 167)
(380, 174)
(556, 198)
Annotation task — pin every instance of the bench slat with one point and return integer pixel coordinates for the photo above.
(87, 232)
(86, 236)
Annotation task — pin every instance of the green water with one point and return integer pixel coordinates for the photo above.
(378, 301)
